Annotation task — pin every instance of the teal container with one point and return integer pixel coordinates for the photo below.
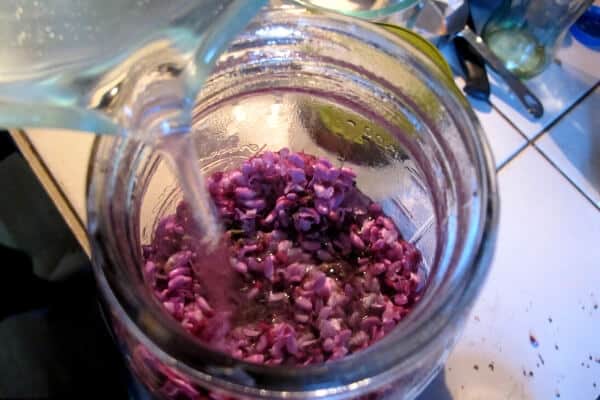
(525, 34)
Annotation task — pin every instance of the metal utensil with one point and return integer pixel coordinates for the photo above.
(455, 26)
(477, 84)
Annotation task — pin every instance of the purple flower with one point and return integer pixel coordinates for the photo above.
(269, 266)
(179, 271)
(249, 248)
(360, 339)
(277, 297)
(302, 318)
(256, 358)
(305, 218)
(328, 329)
(357, 241)
(297, 175)
(245, 193)
(258, 204)
(321, 172)
(310, 245)
(179, 259)
(322, 207)
(296, 159)
(179, 282)
(303, 303)
(323, 192)
(240, 267)
(294, 272)
(317, 270)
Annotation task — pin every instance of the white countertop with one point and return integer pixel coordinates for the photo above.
(545, 277)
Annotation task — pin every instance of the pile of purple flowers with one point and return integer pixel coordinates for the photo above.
(318, 269)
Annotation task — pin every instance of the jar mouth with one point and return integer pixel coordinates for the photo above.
(470, 231)
(369, 14)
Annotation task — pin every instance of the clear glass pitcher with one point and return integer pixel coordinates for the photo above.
(524, 34)
(127, 67)
(102, 65)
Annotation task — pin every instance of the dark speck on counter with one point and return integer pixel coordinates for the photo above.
(533, 340)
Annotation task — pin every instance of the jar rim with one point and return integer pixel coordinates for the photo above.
(296, 379)
(365, 14)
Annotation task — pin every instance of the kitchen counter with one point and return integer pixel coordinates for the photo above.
(533, 333)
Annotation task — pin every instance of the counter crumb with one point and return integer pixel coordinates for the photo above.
(533, 340)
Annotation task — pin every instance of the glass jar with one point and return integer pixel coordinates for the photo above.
(399, 12)
(357, 95)
(525, 34)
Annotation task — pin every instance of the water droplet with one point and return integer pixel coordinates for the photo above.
(60, 37)
(351, 122)
(21, 38)
(48, 28)
(51, 35)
